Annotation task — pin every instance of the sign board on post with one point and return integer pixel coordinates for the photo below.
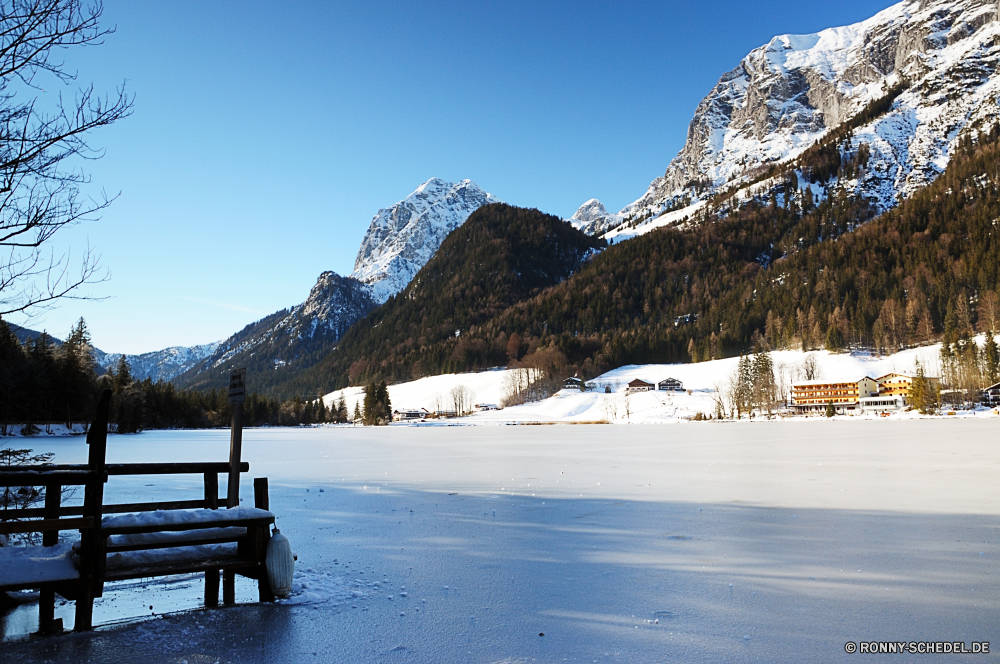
(237, 386)
(237, 395)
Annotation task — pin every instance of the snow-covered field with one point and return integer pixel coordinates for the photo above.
(715, 541)
(701, 382)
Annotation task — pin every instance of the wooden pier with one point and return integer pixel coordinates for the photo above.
(131, 540)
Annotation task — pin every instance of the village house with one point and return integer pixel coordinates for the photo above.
(486, 406)
(816, 395)
(670, 385)
(404, 414)
(991, 396)
(899, 384)
(639, 385)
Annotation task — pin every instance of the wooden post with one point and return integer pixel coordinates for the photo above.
(262, 537)
(228, 586)
(47, 597)
(260, 499)
(211, 587)
(212, 491)
(91, 545)
(235, 452)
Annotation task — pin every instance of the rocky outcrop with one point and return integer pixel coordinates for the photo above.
(593, 218)
(403, 237)
(789, 93)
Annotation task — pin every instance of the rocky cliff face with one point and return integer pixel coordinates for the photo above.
(403, 237)
(291, 339)
(790, 92)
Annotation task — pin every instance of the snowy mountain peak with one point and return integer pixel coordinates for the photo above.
(790, 92)
(592, 210)
(593, 218)
(403, 237)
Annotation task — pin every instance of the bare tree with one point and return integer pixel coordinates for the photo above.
(462, 398)
(989, 312)
(721, 399)
(39, 188)
(611, 407)
(810, 367)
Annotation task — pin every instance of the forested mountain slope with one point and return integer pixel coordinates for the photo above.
(500, 256)
(810, 274)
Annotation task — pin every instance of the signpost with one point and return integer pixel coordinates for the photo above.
(237, 395)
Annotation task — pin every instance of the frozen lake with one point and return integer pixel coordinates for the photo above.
(702, 542)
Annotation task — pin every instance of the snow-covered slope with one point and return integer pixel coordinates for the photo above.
(791, 91)
(403, 237)
(701, 381)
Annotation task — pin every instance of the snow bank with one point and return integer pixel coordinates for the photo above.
(37, 564)
(310, 586)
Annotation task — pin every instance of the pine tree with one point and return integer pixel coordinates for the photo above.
(342, 413)
(357, 412)
(123, 375)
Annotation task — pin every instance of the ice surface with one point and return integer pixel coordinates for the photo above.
(799, 535)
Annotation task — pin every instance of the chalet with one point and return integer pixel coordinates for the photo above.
(572, 383)
(899, 385)
(670, 385)
(991, 396)
(446, 413)
(639, 385)
(486, 406)
(405, 414)
(816, 395)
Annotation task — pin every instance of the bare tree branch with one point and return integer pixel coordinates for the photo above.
(39, 194)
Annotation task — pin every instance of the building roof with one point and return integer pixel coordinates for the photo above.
(637, 382)
(824, 381)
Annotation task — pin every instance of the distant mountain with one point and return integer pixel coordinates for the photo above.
(593, 218)
(163, 364)
(288, 341)
(404, 236)
(940, 59)
(500, 256)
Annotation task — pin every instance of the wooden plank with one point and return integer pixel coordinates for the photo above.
(172, 468)
(44, 477)
(42, 525)
(177, 527)
(121, 508)
(115, 548)
(231, 564)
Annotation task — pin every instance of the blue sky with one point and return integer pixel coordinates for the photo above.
(266, 135)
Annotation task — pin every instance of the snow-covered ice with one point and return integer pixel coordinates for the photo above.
(713, 541)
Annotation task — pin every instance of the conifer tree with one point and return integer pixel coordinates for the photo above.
(122, 375)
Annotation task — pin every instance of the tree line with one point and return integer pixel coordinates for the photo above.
(45, 383)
